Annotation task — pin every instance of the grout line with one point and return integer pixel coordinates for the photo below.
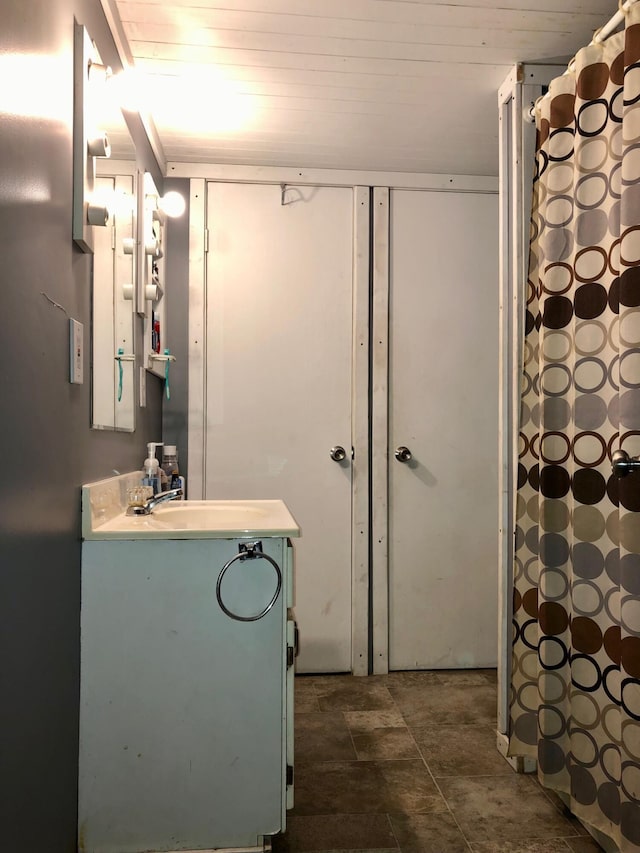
(560, 838)
(439, 789)
(353, 743)
(388, 816)
(474, 775)
(428, 769)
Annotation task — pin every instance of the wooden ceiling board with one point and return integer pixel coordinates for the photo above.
(434, 22)
(217, 61)
(465, 45)
(347, 8)
(381, 85)
(379, 80)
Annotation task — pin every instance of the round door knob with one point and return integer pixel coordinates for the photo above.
(338, 453)
(403, 454)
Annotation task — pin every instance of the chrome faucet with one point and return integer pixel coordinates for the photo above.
(149, 505)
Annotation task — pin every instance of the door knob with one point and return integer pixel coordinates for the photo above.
(623, 464)
(338, 453)
(403, 454)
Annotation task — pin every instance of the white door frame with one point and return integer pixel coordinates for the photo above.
(360, 482)
(380, 434)
(370, 565)
(519, 91)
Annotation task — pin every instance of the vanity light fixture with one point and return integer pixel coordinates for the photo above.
(152, 247)
(102, 207)
(88, 75)
(98, 145)
(98, 73)
(172, 204)
(153, 292)
(97, 214)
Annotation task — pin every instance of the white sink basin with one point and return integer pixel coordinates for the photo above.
(221, 515)
(104, 517)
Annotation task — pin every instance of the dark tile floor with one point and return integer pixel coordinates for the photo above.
(407, 762)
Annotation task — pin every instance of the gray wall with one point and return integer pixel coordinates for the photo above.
(48, 447)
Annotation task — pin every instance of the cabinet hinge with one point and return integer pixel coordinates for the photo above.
(206, 240)
(290, 656)
(289, 774)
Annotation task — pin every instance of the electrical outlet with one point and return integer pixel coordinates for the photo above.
(76, 352)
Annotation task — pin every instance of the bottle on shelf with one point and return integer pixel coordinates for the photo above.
(170, 468)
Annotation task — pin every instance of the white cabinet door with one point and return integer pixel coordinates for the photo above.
(278, 383)
(181, 707)
(443, 406)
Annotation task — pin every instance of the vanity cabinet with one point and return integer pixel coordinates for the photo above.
(186, 738)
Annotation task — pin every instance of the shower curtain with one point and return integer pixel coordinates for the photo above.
(575, 701)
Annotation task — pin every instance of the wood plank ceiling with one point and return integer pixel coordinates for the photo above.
(385, 85)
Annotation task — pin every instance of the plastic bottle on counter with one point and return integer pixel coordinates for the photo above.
(151, 469)
(170, 468)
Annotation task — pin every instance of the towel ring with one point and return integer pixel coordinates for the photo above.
(252, 551)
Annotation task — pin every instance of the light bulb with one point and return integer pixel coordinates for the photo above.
(172, 203)
(98, 73)
(117, 202)
(98, 145)
(97, 214)
(121, 203)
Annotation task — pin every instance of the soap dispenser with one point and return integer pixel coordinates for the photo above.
(151, 476)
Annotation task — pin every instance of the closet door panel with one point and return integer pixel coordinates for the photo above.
(278, 386)
(443, 407)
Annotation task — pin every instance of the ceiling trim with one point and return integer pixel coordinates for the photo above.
(333, 177)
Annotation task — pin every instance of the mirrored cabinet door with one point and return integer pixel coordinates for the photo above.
(113, 307)
(156, 353)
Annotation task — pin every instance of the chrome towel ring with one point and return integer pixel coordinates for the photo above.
(250, 551)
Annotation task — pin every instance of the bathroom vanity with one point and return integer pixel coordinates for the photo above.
(186, 738)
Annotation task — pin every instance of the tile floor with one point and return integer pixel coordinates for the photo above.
(407, 762)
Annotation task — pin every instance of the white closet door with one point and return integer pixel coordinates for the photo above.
(278, 383)
(443, 406)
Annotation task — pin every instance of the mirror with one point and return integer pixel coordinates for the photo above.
(152, 290)
(156, 210)
(114, 276)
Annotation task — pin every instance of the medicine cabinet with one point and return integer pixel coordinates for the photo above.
(157, 355)
(119, 217)
(114, 276)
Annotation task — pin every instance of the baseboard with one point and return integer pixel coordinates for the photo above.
(265, 847)
(518, 762)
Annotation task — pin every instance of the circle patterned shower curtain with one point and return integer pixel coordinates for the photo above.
(575, 702)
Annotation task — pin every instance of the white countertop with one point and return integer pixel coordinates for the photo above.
(104, 516)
